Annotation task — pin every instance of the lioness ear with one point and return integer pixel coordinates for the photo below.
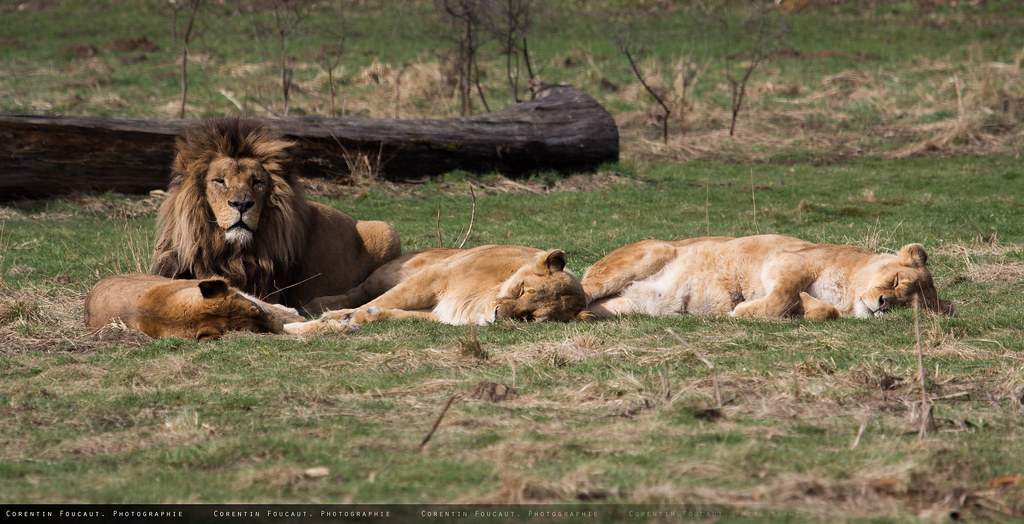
(551, 261)
(213, 287)
(913, 255)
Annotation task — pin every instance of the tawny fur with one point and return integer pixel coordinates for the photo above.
(457, 286)
(234, 209)
(193, 309)
(758, 276)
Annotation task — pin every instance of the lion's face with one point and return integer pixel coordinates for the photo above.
(898, 283)
(236, 190)
(542, 292)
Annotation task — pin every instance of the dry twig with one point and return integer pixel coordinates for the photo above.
(472, 218)
(437, 422)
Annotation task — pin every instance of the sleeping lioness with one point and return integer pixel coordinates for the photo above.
(758, 276)
(458, 286)
(194, 309)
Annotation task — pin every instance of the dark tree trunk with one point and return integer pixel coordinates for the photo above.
(561, 130)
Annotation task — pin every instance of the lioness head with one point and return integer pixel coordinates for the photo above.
(217, 309)
(543, 291)
(899, 282)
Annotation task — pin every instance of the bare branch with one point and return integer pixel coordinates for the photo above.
(658, 98)
(194, 8)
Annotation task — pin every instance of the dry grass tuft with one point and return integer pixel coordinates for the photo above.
(377, 74)
(34, 319)
(873, 377)
(492, 392)
(430, 81)
(518, 489)
(170, 370)
(283, 477)
(471, 347)
(1004, 272)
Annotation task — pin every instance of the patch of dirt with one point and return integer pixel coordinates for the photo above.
(83, 51)
(492, 392)
(9, 41)
(138, 43)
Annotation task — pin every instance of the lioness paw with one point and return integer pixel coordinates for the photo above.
(320, 325)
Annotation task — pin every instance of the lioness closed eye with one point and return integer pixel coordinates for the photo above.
(758, 276)
(457, 286)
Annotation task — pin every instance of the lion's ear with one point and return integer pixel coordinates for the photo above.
(913, 255)
(213, 287)
(551, 261)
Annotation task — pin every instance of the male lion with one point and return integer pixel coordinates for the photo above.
(195, 309)
(235, 210)
(758, 276)
(459, 286)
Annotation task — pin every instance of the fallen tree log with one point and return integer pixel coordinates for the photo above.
(563, 129)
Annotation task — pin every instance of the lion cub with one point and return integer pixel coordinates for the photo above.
(195, 309)
(458, 286)
(758, 276)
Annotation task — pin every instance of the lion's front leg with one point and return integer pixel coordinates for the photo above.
(613, 307)
(784, 280)
(815, 309)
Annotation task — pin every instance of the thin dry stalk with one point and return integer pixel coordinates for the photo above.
(472, 218)
(714, 374)
(707, 202)
(668, 385)
(2, 258)
(860, 432)
(440, 241)
(437, 422)
(926, 409)
(753, 201)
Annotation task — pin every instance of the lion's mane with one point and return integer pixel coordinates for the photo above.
(190, 244)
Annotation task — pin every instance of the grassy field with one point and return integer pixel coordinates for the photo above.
(820, 419)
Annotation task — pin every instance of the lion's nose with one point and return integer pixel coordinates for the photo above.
(882, 303)
(242, 204)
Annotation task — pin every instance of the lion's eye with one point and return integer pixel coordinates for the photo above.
(259, 185)
(219, 182)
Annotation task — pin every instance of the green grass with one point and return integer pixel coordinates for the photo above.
(116, 418)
